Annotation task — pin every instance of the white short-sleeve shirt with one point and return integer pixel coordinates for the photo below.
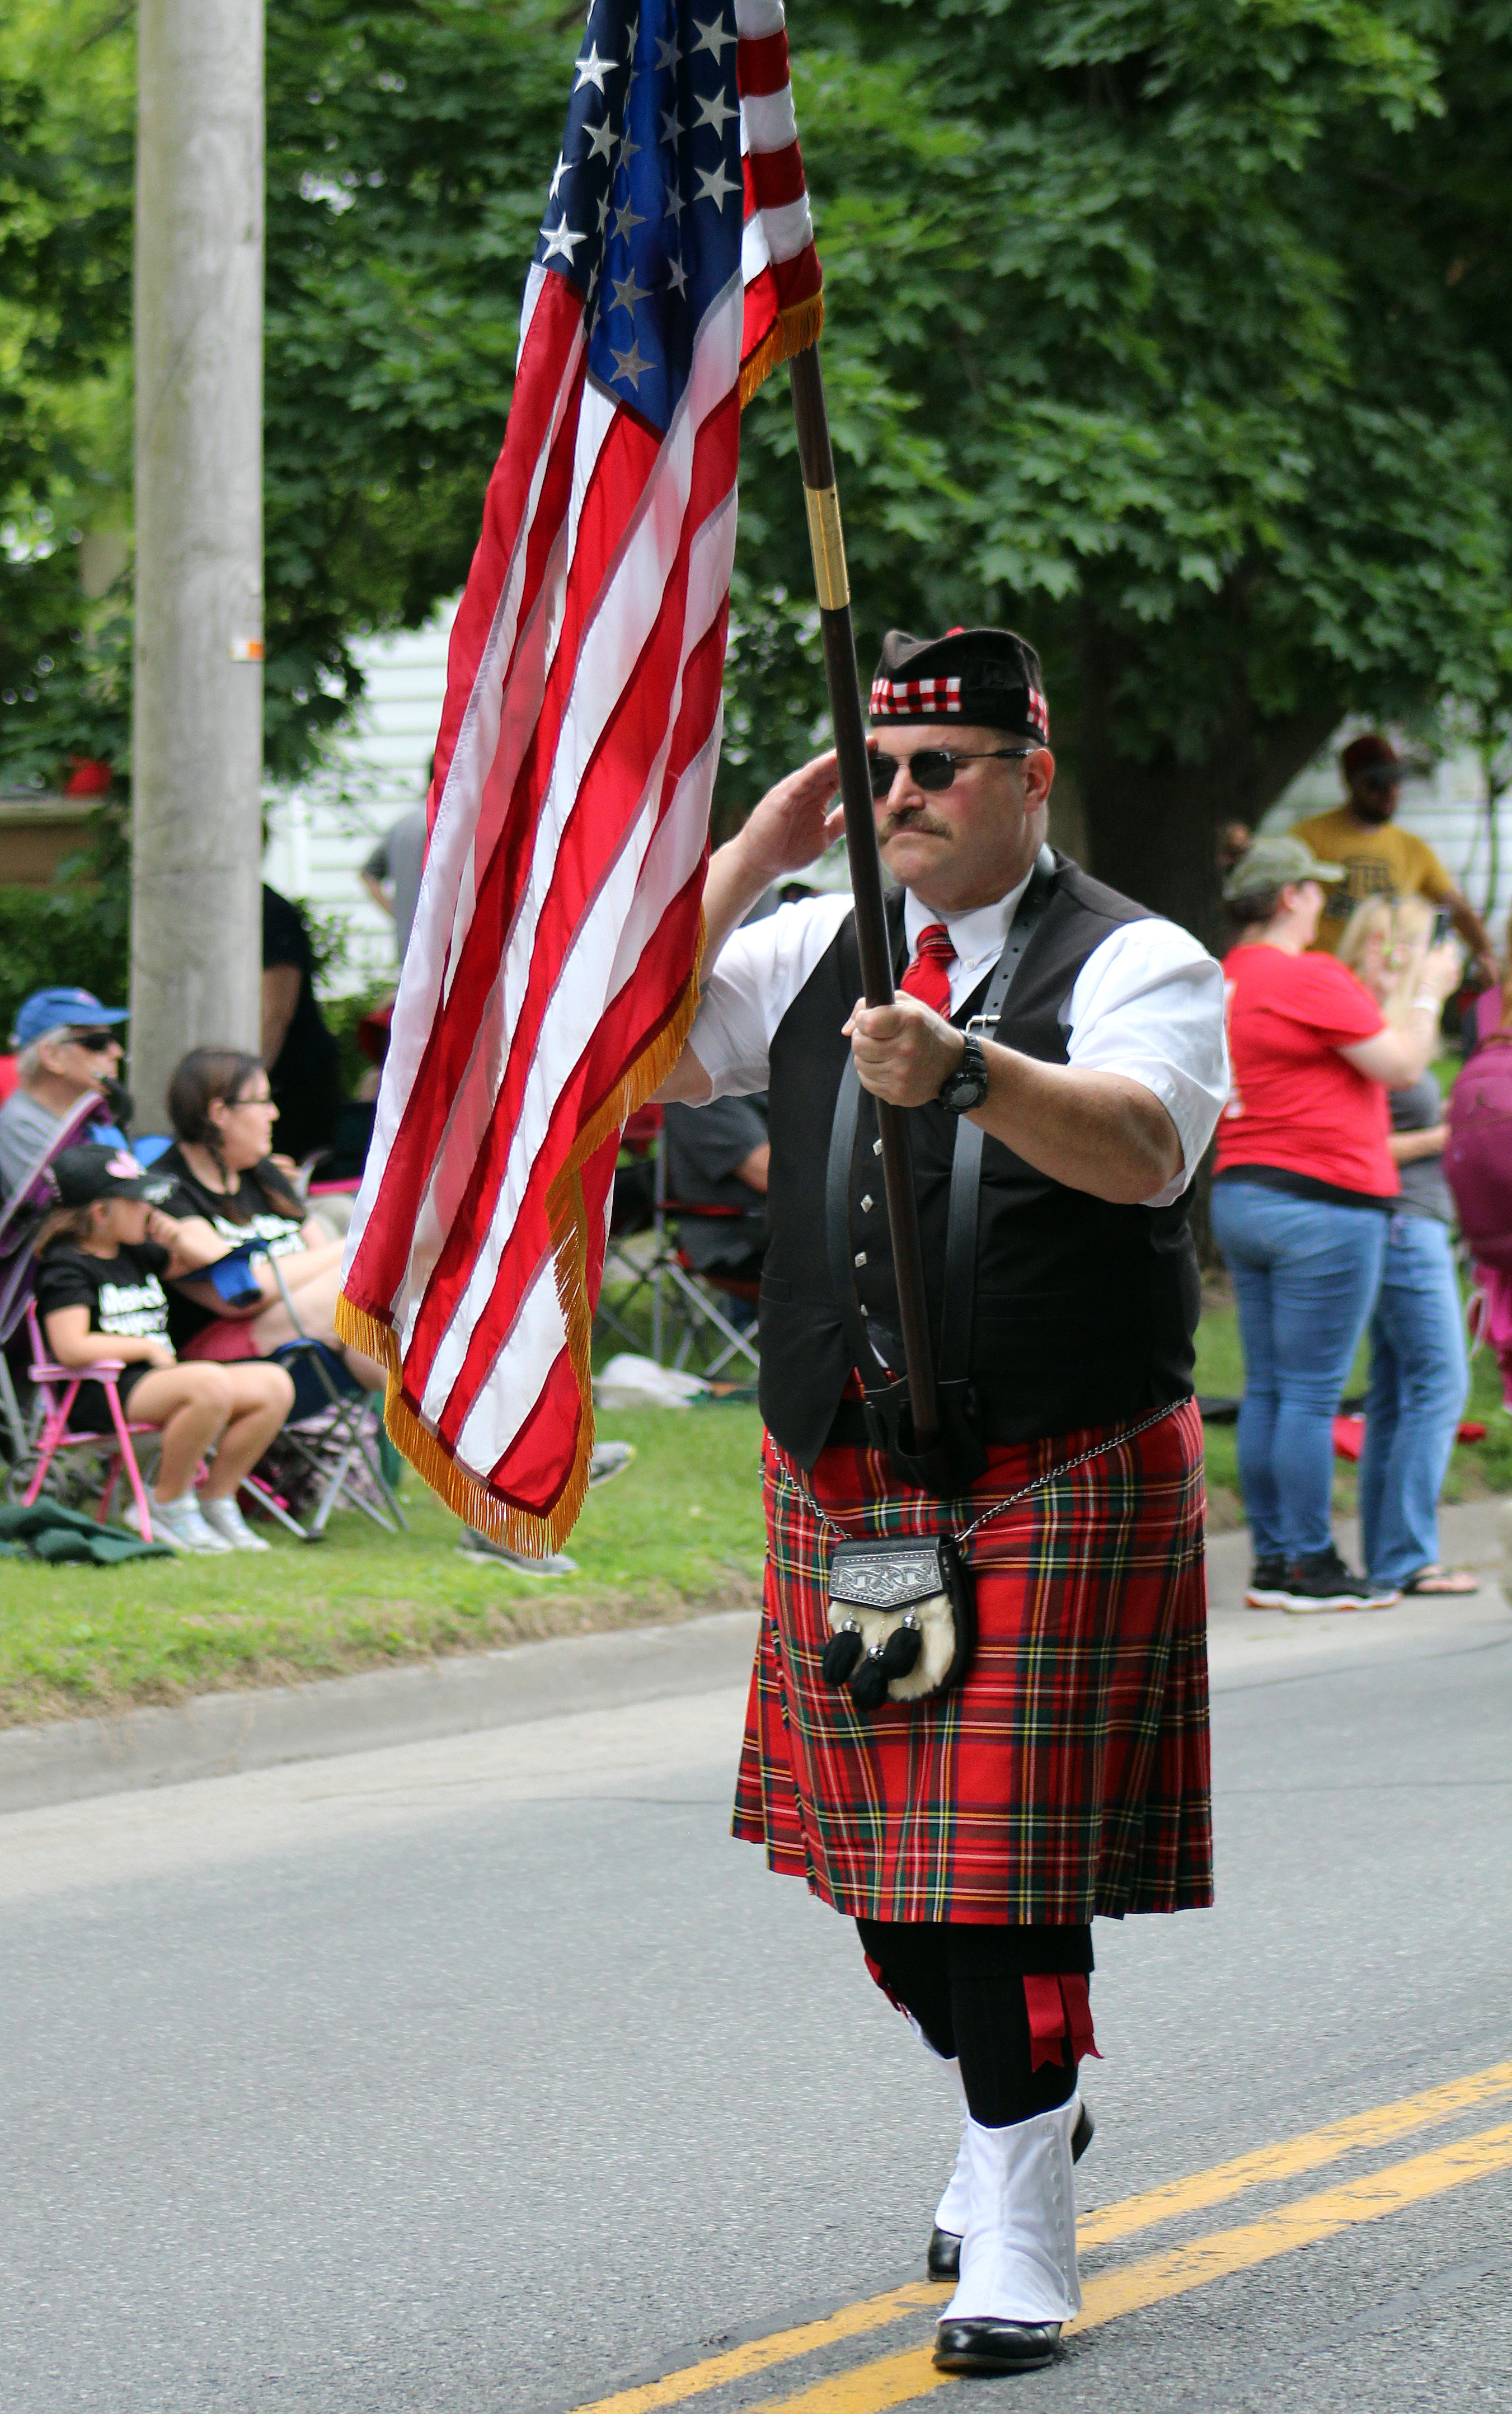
(1147, 1002)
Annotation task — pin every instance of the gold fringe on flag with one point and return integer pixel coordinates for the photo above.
(793, 331)
(522, 1530)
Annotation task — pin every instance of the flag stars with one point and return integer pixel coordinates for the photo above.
(626, 217)
(593, 69)
(559, 241)
(631, 365)
(600, 141)
(672, 126)
(557, 175)
(627, 292)
(677, 278)
(714, 185)
(667, 54)
(713, 37)
(716, 113)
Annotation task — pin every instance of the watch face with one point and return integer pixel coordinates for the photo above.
(966, 1087)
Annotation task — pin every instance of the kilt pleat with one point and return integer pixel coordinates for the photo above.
(1069, 1775)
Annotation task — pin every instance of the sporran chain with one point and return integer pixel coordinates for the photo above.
(1050, 1475)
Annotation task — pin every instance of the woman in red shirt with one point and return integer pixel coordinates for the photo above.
(1304, 1186)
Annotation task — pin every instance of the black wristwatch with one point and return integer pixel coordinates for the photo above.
(966, 1086)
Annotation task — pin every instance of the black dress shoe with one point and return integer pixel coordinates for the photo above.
(944, 2255)
(986, 2346)
(944, 2259)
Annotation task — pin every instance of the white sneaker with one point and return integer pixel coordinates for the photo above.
(224, 1517)
(179, 1524)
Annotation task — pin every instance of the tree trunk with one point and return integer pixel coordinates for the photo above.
(1153, 826)
(197, 740)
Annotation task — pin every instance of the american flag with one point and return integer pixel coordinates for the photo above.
(551, 974)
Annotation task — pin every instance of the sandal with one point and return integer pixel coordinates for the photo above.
(1437, 1581)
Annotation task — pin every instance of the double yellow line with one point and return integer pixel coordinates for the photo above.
(896, 2379)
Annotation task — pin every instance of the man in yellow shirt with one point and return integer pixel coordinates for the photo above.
(1379, 859)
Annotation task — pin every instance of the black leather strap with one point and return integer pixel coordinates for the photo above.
(965, 1164)
(886, 1392)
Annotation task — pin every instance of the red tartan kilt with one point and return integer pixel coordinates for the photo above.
(1069, 1774)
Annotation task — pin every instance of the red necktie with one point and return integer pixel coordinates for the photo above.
(928, 976)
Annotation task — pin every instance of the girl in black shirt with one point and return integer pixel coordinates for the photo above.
(99, 1258)
(227, 1184)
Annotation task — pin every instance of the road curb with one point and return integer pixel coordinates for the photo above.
(218, 1735)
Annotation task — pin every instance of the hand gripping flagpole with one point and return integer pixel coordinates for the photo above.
(817, 462)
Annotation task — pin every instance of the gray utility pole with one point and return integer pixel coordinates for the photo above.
(197, 742)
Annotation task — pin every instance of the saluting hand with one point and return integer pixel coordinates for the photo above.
(903, 1051)
(795, 821)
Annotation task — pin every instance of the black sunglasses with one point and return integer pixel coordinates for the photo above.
(933, 768)
(93, 1041)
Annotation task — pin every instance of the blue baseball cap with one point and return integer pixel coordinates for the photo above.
(52, 1010)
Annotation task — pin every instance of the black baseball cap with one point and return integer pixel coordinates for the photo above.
(98, 1170)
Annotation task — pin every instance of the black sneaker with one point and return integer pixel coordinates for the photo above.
(1267, 1585)
(1324, 1581)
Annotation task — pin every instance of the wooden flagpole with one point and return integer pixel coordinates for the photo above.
(817, 462)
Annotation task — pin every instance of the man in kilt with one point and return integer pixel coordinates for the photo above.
(973, 1829)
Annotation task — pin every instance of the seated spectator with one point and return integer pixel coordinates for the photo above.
(1419, 1374)
(1303, 1193)
(100, 1255)
(718, 1157)
(68, 1049)
(302, 1059)
(226, 1189)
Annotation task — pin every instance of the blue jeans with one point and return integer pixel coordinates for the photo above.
(1419, 1382)
(1305, 1276)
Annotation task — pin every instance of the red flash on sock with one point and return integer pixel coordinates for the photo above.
(1059, 2008)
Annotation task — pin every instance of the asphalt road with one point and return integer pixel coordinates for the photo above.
(488, 2074)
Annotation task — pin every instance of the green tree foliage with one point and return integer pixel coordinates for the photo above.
(1175, 332)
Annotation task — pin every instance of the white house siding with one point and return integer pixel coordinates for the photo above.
(321, 833)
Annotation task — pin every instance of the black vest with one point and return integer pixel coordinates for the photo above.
(1085, 1312)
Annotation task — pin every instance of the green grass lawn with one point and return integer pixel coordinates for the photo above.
(681, 1530)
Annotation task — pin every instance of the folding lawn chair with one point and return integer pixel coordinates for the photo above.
(657, 1274)
(20, 1216)
(329, 1441)
(57, 1390)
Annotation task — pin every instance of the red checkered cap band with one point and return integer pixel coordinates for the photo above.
(894, 696)
(1038, 712)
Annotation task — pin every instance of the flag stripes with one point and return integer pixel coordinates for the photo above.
(551, 978)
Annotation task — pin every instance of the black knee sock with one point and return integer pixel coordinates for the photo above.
(963, 1984)
(990, 2019)
(914, 1960)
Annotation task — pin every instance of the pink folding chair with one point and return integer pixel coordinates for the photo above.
(58, 1388)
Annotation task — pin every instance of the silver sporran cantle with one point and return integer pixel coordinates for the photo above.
(901, 1619)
